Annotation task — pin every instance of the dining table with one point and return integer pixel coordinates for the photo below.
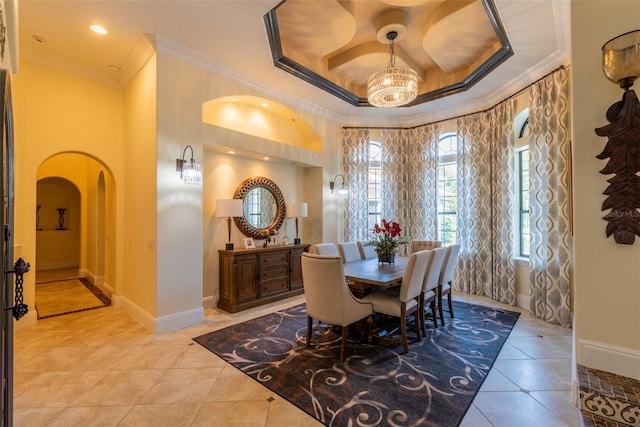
(363, 275)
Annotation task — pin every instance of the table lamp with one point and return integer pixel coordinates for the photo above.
(229, 208)
(297, 210)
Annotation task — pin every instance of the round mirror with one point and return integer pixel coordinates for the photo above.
(263, 207)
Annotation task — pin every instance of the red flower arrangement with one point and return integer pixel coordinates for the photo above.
(387, 237)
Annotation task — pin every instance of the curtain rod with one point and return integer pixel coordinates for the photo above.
(464, 115)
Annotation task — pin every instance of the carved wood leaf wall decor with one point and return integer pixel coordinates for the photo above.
(623, 152)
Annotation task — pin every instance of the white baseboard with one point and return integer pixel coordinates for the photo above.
(161, 324)
(609, 358)
(522, 301)
(208, 302)
(106, 289)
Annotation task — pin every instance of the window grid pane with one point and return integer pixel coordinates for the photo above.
(523, 196)
(447, 188)
(374, 185)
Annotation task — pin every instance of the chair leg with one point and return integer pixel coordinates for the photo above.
(309, 328)
(433, 313)
(450, 305)
(422, 317)
(440, 305)
(369, 329)
(403, 328)
(345, 333)
(417, 319)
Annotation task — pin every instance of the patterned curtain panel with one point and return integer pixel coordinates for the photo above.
(549, 199)
(500, 137)
(422, 165)
(473, 229)
(355, 146)
(485, 229)
(395, 179)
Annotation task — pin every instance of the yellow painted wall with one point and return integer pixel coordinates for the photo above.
(56, 112)
(140, 157)
(606, 275)
(224, 173)
(184, 89)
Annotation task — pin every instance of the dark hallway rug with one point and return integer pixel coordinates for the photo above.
(432, 385)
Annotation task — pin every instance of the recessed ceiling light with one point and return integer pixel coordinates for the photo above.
(39, 39)
(99, 29)
(265, 158)
(231, 152)
(264, 104)
(234, 99)
(114, 68)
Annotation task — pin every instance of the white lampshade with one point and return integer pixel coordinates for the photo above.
(227, 208)
(297, 210)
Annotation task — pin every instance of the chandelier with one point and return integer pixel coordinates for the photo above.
(392, 86)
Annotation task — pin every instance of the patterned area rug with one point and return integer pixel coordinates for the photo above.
(432, 385)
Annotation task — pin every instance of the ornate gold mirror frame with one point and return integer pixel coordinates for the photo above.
(243, 224)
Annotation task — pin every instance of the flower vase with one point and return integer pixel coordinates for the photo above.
(388, 257)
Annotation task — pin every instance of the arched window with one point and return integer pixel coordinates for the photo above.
(374, 182)
(522, 183)
(447, 187)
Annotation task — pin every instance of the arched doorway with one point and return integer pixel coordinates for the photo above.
(74, 219)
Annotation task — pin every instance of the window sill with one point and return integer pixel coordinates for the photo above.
(520, 260)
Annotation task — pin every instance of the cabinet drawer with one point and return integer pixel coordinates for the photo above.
(274, 286)
(274, 272)
(278, 258)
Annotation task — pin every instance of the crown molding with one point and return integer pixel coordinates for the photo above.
(176, 50)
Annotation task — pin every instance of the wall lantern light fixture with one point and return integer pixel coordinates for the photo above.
(621, 65)
(343, 190)
(190, 171)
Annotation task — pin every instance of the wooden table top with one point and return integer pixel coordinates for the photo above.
(371, 272)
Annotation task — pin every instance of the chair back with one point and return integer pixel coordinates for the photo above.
(366, 250)
(326, 292)
(324, 249)
(421, 245)
(349, 251)
(414, 275)
(450, 260)
(434, 269)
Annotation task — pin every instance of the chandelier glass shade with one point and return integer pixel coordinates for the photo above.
(392, 86)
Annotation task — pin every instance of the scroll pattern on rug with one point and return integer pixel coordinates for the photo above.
(432, 385)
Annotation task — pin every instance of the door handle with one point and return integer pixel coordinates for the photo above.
(20, 308)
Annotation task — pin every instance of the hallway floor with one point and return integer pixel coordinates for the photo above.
(101, 368)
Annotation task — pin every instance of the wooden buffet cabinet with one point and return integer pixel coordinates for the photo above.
(252, 277)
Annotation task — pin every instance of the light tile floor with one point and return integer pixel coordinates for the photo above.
(101, 368)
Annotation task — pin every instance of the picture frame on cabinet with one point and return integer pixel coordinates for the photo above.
(248, 243)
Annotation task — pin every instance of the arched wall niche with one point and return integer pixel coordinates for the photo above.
(262, 118)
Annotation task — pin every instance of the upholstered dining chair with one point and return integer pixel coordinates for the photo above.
(407, 301)
(328, 297)
(429, 293)
(349, 251)
(446, 276)
(367, 250)
(421, 245)
(324, 249)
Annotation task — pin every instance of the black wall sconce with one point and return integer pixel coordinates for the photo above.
(190, 171)
(621, 65)
(343, 190)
